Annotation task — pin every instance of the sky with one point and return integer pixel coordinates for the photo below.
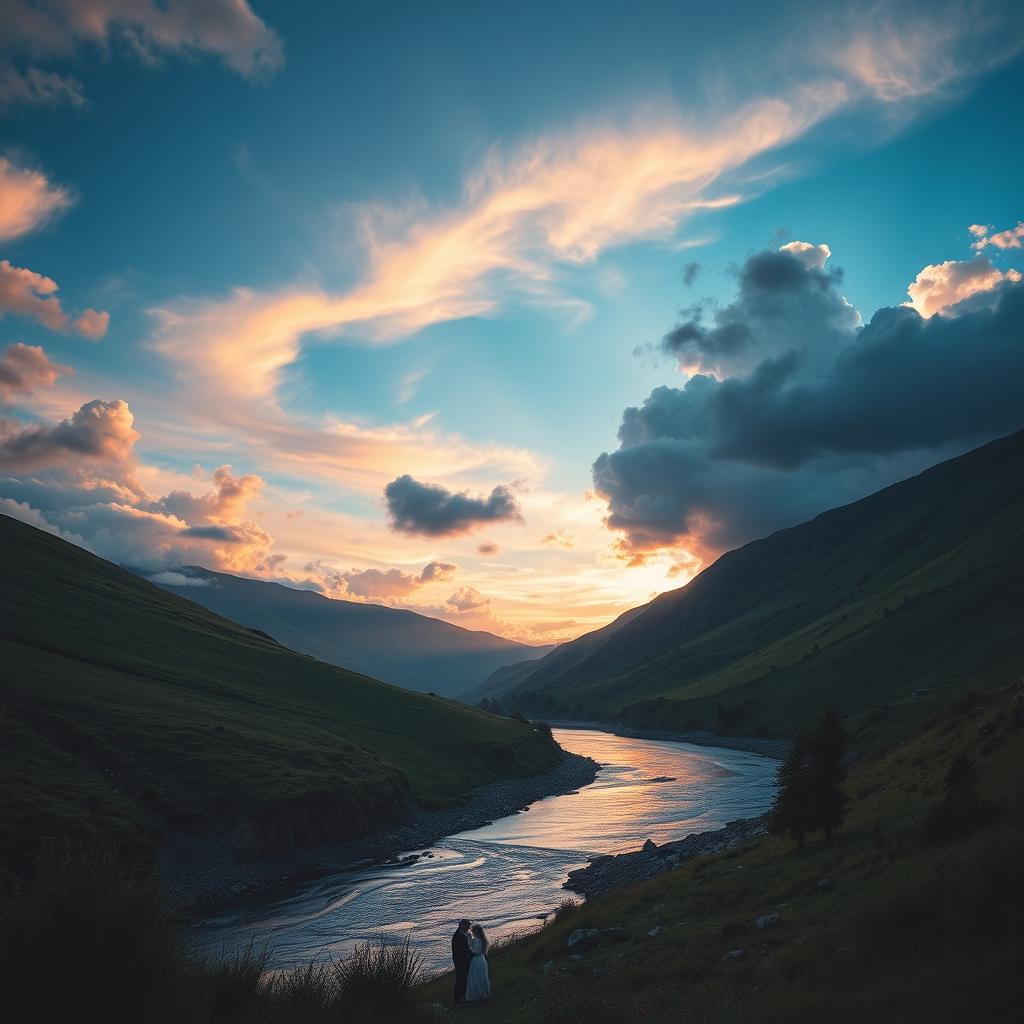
(515, 317)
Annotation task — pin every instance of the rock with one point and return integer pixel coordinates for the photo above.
(584, 938)
(548, 967)
(768, 921)
(575, 958)
(654, 932)
(616, 934)
(824, 883)
(735, 954)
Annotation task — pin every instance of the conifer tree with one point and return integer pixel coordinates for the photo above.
(828, 751)
(794, 805)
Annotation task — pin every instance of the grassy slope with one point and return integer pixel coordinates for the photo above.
(908, 931)
(918, 586)
(124, 709)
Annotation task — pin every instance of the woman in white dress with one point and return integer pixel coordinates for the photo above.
(478, 985)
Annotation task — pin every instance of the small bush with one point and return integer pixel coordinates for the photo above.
(378, 980)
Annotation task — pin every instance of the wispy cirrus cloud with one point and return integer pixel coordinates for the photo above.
(528, 212)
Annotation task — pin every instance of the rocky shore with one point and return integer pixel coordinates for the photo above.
(603, 874)
(199, 872)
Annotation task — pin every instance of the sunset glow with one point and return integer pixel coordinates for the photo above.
(329, 288)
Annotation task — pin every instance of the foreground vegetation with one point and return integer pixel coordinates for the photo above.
(888, 609)
(894, 920)
(911, 914)
(88, 940)
(126, 712)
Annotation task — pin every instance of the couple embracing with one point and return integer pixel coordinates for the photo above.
(469, 955)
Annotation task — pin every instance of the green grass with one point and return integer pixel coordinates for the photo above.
(918, 587)
(126, 711)
(907, 930)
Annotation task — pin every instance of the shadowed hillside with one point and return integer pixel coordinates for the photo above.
(392, 644)
(126, 711)
(888, 922)
(886, 608)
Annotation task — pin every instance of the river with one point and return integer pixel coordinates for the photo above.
(507, 875)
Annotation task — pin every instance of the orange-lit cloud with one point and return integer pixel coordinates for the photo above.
(943, 285)
(1011, 238)
(93, 324)
(903, 58)
(23, 368)
(27, 200)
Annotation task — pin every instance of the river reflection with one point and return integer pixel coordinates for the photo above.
(507, 875)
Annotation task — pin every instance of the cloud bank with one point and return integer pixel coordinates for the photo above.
(830, 411)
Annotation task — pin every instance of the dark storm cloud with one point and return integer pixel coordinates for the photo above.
(434, 511)
(690, 272)
(786, 299)
(718, 462)
(905, 383)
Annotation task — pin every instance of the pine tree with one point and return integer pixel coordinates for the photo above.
(794, 805)
(828, 751)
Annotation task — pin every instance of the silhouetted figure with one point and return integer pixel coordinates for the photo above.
(461, 955)
(479, 985)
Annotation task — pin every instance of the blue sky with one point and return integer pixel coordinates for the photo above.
(461, 233)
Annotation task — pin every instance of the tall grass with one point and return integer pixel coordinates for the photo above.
(87, 939)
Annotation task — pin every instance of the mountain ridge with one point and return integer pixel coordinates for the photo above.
(774, 619)
(395, 645)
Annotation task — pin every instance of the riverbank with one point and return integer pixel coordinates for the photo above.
(199, 873)
(606, 874)
(766, 747)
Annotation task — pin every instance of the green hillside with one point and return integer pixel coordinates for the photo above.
(126, 711)
(884, 924)
(886, 608)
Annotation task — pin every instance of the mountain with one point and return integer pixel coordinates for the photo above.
(887, 608)
(127, 712)
(397, 646)
(563, 658)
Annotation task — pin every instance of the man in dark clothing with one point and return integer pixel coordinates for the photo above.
(460, 958)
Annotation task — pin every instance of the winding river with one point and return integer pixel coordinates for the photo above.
(508, 875)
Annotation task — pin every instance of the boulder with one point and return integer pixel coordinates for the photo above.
(547, 967)
(735, 954)
(824, 883)
(768, 921)
(575, 958)
(654, 932)
(583, 939)
(616, 934)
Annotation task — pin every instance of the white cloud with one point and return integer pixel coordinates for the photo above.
(941, 286)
